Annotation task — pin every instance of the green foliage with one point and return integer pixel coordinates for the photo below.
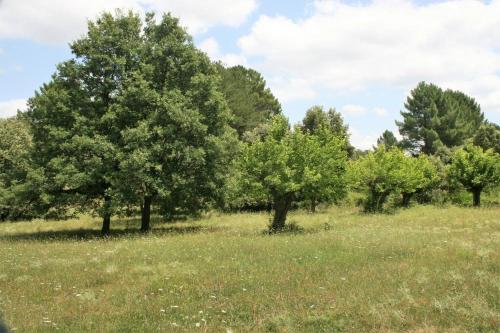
(72, 116)
(135, 117)
(436, 118)
(416, 174)
(288, 165)
(475, 169)
(174, 149)
(15, 149)
(316, 118)
(250, 102)
(488, 136)
(389, 171)
(388, 139)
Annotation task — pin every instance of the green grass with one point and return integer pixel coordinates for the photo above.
(424, 269)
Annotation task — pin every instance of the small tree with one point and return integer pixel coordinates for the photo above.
(475, 169)
(379, 174)
(389, 171)
(288, 164)
(415, 174)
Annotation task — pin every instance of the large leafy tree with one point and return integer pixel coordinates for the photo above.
(250, 101)
(174, 126)
(436, 118)
(134, 117)
(288, 165)
(475, 169)
(72, 115)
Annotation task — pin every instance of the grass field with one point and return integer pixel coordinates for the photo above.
(425, 269)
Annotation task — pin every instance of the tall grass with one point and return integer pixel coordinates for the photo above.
(424, 269)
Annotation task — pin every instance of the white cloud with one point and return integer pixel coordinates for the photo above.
(362, 140)
(211, 47)
(353, 109)
(381, 112)
(289, 89)
(9, 108)
(358, 110)
(60, 21)
(344, 48)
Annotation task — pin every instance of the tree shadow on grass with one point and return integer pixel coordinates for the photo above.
(94, 234)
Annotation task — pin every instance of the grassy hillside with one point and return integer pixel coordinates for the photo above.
(424, 269)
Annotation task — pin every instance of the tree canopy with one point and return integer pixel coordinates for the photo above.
(250, 101)
(139, 102)
(437, 118)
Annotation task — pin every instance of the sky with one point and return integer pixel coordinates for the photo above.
(360, 57)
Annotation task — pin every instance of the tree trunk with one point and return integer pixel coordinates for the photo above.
(282, 205)
(313, 205)
(375, 201)
(406, 199)
(476, 197)
(146, 214)
(106, 220)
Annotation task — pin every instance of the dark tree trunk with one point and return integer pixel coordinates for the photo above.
(313, 205)
(146, 214)
(106, 219)
(406, 199)
(106, 222)
(476, 197)
(375, 201)
(282, 205)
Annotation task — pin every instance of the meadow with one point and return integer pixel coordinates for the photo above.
(424, 269)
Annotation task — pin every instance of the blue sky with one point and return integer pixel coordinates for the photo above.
(360, 57)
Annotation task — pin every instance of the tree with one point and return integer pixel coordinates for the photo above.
(378, 174)
(174, 126)
(415, 174)
(72, 115)
(488, 137)
(437, 118)
(475, 169)
(384, 171)
(388, 139)
(249, 100)
(135, 117)
(287, 165)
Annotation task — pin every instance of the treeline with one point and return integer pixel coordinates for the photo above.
(141, 121)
